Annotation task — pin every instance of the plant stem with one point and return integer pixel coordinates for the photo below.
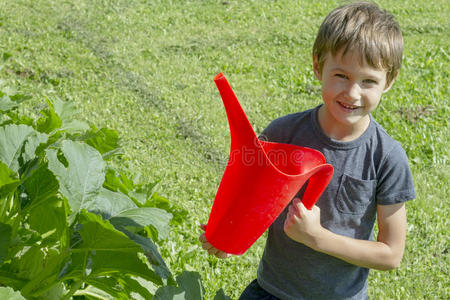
(4, 207)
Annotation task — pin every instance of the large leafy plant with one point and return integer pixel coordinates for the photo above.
(70, 223)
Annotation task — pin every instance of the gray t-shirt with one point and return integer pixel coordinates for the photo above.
(371, 170)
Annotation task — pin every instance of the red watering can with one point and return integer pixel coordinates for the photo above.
(260, 180)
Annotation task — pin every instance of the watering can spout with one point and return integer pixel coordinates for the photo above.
(259, 181)
(240, 128)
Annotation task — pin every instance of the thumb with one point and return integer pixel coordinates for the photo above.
(301, 209)
(316, 209)
(203, 227)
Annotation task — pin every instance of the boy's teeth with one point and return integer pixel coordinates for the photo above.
(348, 106)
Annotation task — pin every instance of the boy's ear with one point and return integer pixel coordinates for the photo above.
(316, 67)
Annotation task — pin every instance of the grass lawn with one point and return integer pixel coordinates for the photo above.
(146, 68)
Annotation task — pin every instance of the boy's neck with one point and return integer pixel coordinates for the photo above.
(341, 132)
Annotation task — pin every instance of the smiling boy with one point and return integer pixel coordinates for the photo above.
(326, 252)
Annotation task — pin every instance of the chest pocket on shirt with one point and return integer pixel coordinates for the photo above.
(354, 196)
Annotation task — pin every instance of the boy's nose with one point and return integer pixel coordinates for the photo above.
(353, 91)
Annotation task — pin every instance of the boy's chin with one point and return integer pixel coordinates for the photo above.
(355, 120)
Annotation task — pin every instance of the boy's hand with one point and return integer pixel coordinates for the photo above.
(303, 225)
(208, 247)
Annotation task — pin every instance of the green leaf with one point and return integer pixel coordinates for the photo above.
(142, 217)
(134, 288)
(15, 118)
(5, 239)
(55, 293)
(92, 292)
(33, 141)
(54, 140)
(30, 262)
(10, 102)
(116, 181)
(8, 180)
(40, 266)
(97, 234)
(12, 138)
(191, 282)
(66, 112)
(74, 126)
(179, 214)
(10, 278)
(49, 121)
(40, 184)
(106, 141)
(118, 287)
(220, 295)
(189, 287)
(6, 104)
(143, 193)
(170, 293)
(151, 251)
(64, 109)
(41, 269)
(10, 294)
(82, 180)
(104, 251)
(53, 228)
(110, 285)
(109, 203)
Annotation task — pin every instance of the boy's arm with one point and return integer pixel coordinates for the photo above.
(383, 254)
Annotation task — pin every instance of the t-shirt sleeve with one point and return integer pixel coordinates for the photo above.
(395, 182)
(268, 133)
(265, 135)
(275, 132)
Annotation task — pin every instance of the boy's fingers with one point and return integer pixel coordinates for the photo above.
(210, 248)
(212, 251)
(301, 209)
(291, 212)
(202, 238)
(315, 208)
(203, 227)
(294, 209)
(290, 218)
(287, 224)
(290, 209)
(221, 254)
(207, 246)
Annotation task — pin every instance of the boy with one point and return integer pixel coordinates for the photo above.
(326, 253)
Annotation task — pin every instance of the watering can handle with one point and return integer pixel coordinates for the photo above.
(317, 184)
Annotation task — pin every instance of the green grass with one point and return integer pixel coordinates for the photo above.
(145, 68)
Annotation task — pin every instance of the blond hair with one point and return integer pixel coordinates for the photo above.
(365, 28)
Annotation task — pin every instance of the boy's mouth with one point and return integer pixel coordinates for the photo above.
(348, 106)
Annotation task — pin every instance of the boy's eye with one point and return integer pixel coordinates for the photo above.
(341, 75)
(370, 81)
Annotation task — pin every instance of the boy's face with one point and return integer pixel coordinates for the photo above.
(350, 91)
